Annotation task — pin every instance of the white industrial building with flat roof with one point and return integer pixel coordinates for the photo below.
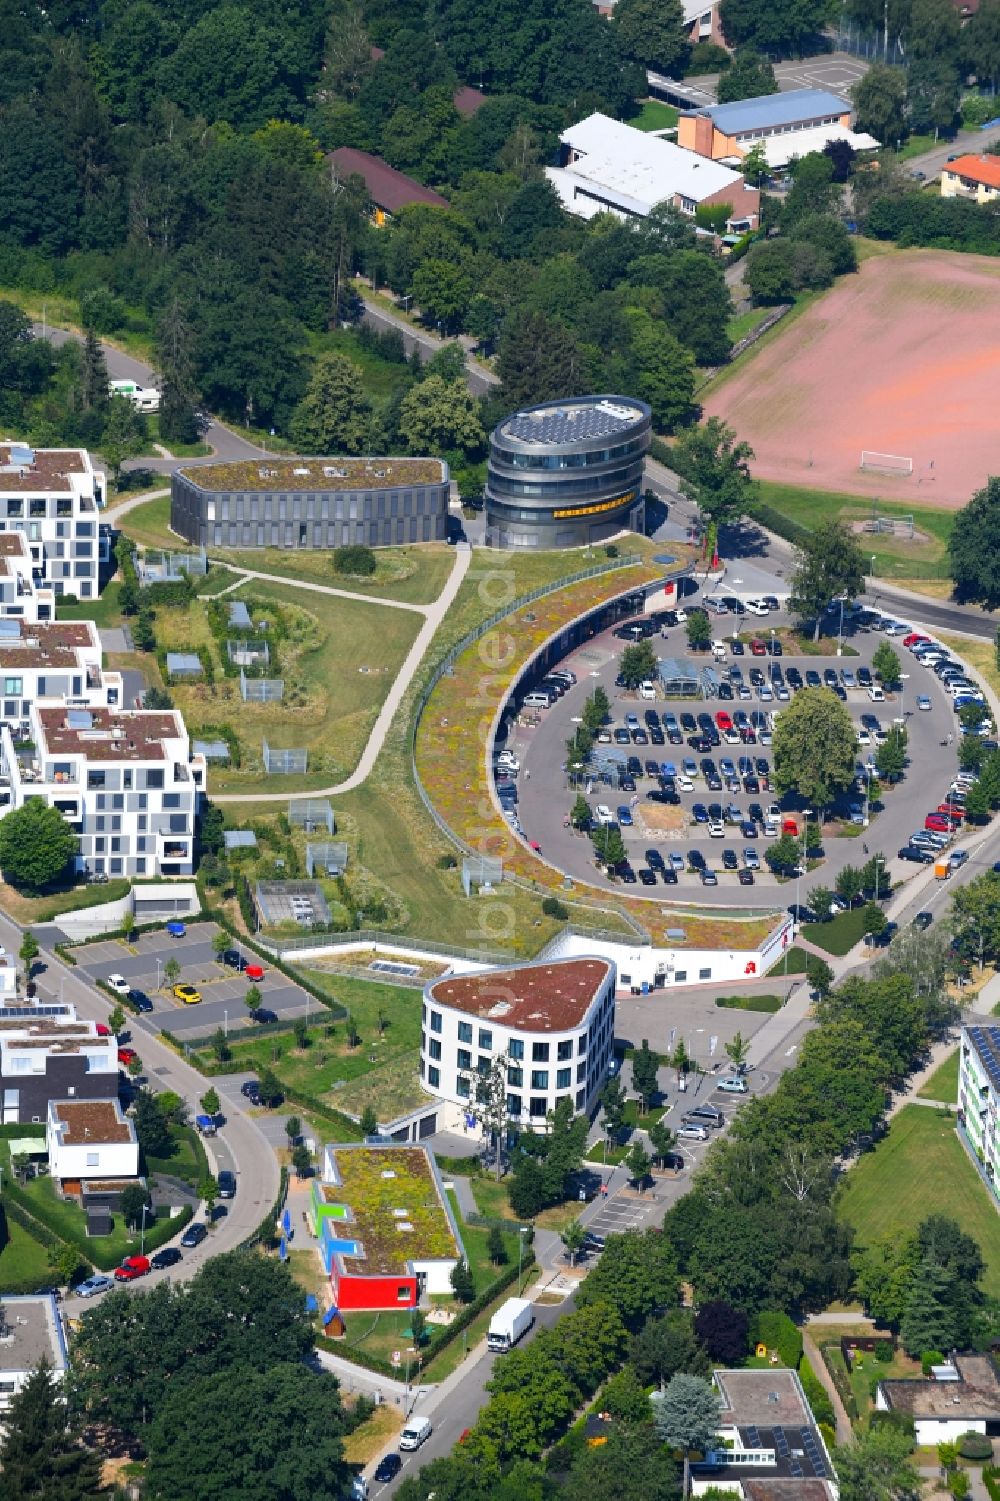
(610, 167)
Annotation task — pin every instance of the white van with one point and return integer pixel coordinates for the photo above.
(415, 1431)
(537, 701)
(719, 650)
(646, 690)
(876, 694)
(603, 814)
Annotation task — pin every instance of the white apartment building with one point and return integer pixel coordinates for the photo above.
(979, 1099)
(552, 1021)
(31, 1331)
(126, 782)
(90, 1139)
(54, 496)
(49, 1053)
(20, 597)
(55, 660)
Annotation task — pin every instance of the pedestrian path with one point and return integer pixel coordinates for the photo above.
(845, 1433)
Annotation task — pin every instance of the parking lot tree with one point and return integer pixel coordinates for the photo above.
(609, 846)
(172, 971)
(301, 1160)
(886, 665)
(210, 1102)
(41, 1454)
(813, 838)
(890, 756)
(579, 815)
(971, 753)
(645, 1065)
(738, 1050)
(828, 563)
(253, 1000)
(268, 1086)
(783, 855)
(814, 747)
(221, 941)
(875, 877)
(293, 1129)
(724, 1331)
(873, 920)
(819, 975)
(28, 952)
(978, 803)
(680, 1060)
(578, 747)
(975, 918)
(699, 631)
(638, 1163)
(849, 883)
(573, 1238)
(116, 1018)
(613, 1100)
(749, 75)
(687, 1417)
(36, 845)
(661, 1140)
(637, 664)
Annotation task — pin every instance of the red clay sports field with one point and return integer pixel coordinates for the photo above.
(902, 358)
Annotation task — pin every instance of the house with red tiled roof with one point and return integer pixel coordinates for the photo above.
(550, 1024)
(973, 177)
(388, 190)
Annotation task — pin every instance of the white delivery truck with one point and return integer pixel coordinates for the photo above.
(510, 1321)
(143, 398)
(415, 1431)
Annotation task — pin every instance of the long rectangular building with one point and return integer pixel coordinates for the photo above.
(311, 503)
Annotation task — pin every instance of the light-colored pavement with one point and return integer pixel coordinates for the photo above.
(311, 587)
(845, 1433)
(434, 614)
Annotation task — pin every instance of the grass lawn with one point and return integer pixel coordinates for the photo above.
(59, 311)
(895, 557)
(770, 1003)
(412, 575)
(149, 524)
(599, 1152)
(491, 1199)
(67, 1219)
(188, 1162)
(362, 1446)
(792, 962)
(381, 377)
(654, 116)
(741, 324)
(47, 907)
(918, 1169)
(841, 933)
(102, 611)
(23, 1258)
(943, 1082)
(980, 655)
(179, 450)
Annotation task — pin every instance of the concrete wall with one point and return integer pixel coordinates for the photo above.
(156, 900)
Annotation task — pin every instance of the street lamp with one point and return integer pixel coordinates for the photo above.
(522, 1232)
(225, 1022)
(871, 573)
(159, 976)
(904, 678)
(142, 1231)
(737, 583)
(840, 628)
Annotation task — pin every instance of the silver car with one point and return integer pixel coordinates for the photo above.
(93, 1286)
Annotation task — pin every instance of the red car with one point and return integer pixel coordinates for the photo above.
(939, 823)
(132, 1267)
(723, 720)
(914, 639)
(254, 972)
(757, 648)
(951, 810)
(126, 1055)
(102, 1030)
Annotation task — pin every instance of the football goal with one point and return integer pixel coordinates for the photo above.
(885, 463)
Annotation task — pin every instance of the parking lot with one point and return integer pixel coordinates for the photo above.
(222, 989)
(688, 782)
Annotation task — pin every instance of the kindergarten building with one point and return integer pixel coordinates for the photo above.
(385, 1229)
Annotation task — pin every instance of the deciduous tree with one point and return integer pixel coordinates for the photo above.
(749, 76)
(974, 548)
(814, 747)
(652, 33)
(36, 845)
(334, 415)
(828, 564)
(437, 415)
(715, 468)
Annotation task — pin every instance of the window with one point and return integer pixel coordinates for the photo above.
(464, 1058)
(704, 974)
(433, 1077)
(581, 1098)
(402, 1294)
(538, 1106)
(485, 1039)
(93, 1159)
(435, 1049)
(462, 1087)
(563, 1078)
(539, 1078)
(13, 685)
(680, 975)
(581, 1046)
(483, 1066)
(465, 1031)
(513, 1104)
(539, 1052)
(581, 1072)
(515, 1077)
(515, 1048)
(565, 1050)
(435, 1021)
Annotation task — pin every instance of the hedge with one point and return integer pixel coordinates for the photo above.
(776, 1330)
(975, 1446)
(161, 1232)
(783, 526)
(991, 1480)
(266, 1231)
(440, 1340)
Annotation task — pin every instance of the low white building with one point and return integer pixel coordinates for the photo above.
(962, 1396)
(90, 1139)
(609, 167)
(551, 1022)
(31, 1332)
(54, 496)
(769, 1446)
(126, 782)
(648, 967)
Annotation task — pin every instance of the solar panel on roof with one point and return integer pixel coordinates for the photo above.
(795, 1467)
(79, 719)
(753, 1436)
(10, 630)
(568, 426)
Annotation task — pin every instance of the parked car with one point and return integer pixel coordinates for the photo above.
(140, 1000)
(176, 929)
(193, 1236)
(250, 1090)
(227, 1184)
(387, 1469)
(733, 1086)
(187, 993)
(132, 1267)
(118, 984)
(169, 1256)
(127, 1056)
(92, 1286)
(923, 920)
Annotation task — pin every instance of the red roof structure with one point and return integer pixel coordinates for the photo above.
(388, 189)
(984, 169)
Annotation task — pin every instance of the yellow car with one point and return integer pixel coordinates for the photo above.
(187, 994)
